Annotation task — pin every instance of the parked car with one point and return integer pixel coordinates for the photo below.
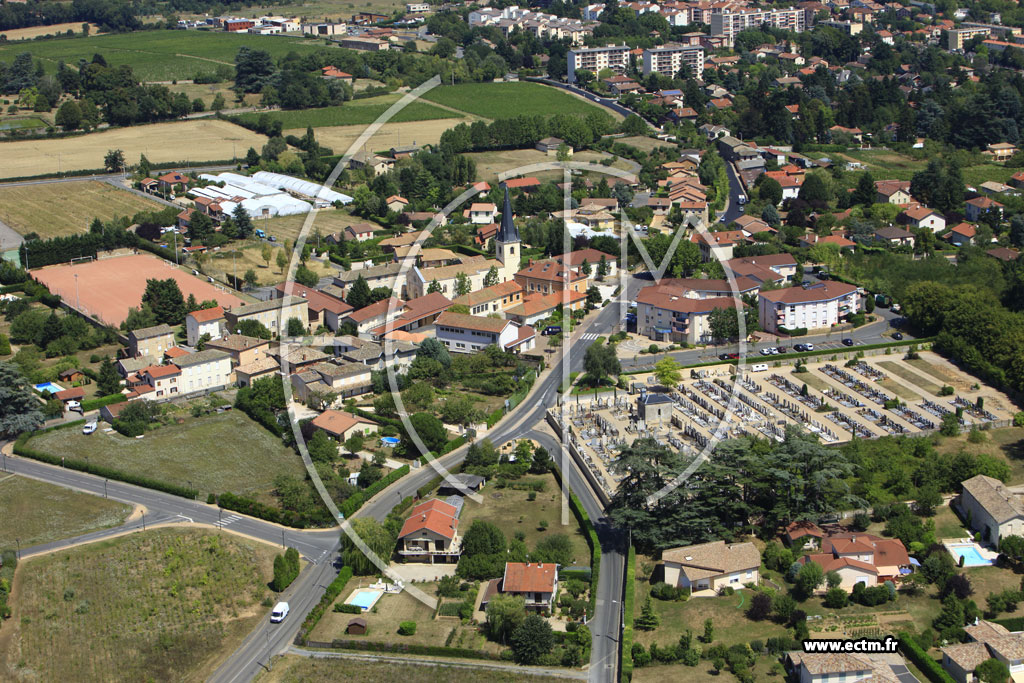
(733, 356)
(279, 613)
(73, 405)
(552, 329)
(897, 336)
(808, 347)
(782, 349)
(766, 352)
(723, 356)
(89, 427)
(847, 341)
(799, 347)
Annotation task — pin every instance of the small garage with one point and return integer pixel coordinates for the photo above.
(356, 627)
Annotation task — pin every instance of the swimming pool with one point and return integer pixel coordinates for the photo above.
(52, 387)
(972, 557)
(365, 599)
(390, 440)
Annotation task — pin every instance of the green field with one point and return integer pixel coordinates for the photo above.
(158, 55)
(503, 100)
(38, 512)
(164, 605)
(886, 164)
(356, 112)
(21, 123)
(217, 453)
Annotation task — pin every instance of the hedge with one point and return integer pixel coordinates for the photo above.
(356, 500)
(409, 648)
(627, 616)
(932, 670)
(1011, 623)
(592, 540)
(100, 401)
(254, 508)
(796, 332)
(453, 444)
(493, 418)
(20, 448)
(313, 618)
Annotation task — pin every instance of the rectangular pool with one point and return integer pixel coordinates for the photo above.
(972, 558)
(364, 599)
(51, 387)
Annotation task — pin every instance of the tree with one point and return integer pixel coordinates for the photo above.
(242, 221)
(435, 350)
(434, 287)
(252, 157)
(69, 116)
(253, 69)
(770, 191)
(950, 425)
(601, 361)
(814, 190)
(114, 160)
(251, 279)
(359, 294)
(282, 261)
(266, 253)
(19, 409)
(992, 671)
(165, 299)
(760, 607)
(203, 340)
(483, 538)
(305, 276)
(430, 430)
(253, 328)
(532, 639)
(218, 104)
(108, 381)
(463, 285)
(322, 448)
(505, 613)
(809, 578)
(950, 621)
(295, 328)
(709, 631)
(865, 192)
(666, 371)
(490, 279)
(541, 462)
(836, 598)
(377, 538)
(723, 324)
(602, 266)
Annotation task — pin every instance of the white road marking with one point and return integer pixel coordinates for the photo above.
(230, 519)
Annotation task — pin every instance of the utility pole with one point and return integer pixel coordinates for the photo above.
(104, 488)
(77, 302)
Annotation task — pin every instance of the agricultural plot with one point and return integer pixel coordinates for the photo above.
(21, 123)
(167, 604)
(56, 209)
(187, 142)
(32, 32)
(355, 112)
(37, 512)
(889, 164)
(159, 55)
(181, 453)
(391, 134)
(226, 264)
(493, 100)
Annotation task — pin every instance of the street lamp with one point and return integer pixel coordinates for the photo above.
(77, 303)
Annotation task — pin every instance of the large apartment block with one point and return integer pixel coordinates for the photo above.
(669, 59)
(813, 307)
(594, 59)
(729, 22)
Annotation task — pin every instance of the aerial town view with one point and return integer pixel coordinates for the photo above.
(476, 341)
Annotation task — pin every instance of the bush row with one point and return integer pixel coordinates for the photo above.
(408, 648)
(254, 508)
(928, 666)
(313, 618)
(100, 401)
(627, 616)
(356, 500)
(592, 540)
(1011, 623)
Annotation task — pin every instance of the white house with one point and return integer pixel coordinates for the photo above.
(463, 333)
(209, 321)
(991, 508)
(812, 307)
(482, 213)
(204, 370)
(712, 566)
(537, 582)
(923, 217)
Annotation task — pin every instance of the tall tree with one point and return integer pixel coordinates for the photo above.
(19, 409)
(166, 300)
(108, 382)
(358, 294)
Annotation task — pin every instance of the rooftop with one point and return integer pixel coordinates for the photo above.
(529, 577)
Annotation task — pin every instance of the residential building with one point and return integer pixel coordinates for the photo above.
(206, 370)
(777, 268)
(1000, 151)
(209, 321)
(718, 245)
(342, 426)
(246, 374)
(150, 341)
(730, 22)
(494, 299)
(550, 146)
(668, 312)
(895, 236)
(242, 349)
(376, 356)
(344, 379)
(712, 566)
(975, 208)
(596, 59)
(157, 382)
(815, 306)
(536, 307)
(923, 217)
(593, 259)
(988, 640)
(475, 268)
(273, 314)
(892, 192)
(536, 582)
(961, 234)
(817, 667)
(431, 533)
(325, 29)
(384, 275)
(462, 333)
(861, 558)
(374, 315)
(481, 213)
(416, 313)
(126, 367)
(668, 60)
(321, 308)
(550, 276)
(991, 508)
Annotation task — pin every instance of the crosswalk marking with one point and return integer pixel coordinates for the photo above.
(230, 519)
(589, 336)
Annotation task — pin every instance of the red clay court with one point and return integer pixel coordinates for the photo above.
(108, 287)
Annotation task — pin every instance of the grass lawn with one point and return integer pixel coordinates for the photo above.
(208, 91)
(391, 134)
(223, 264)
(296, 669)
(644, 143)
(56, 209)
(810, 379)
(167, 604)
(355, 112)
(187, 142)
(490, 164)
(900, 370)
(938, 372)
(887, 164)
(217, 453)
(159, 55)
(947, 524)
(491, 100)
(511, 511)
(38, 512)
(764, 670)
(1006, 444)
(896, 388)
(21, 122)
(327, 221)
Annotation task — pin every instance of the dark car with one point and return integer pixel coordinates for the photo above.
(723, 356)
(847, 342)
(799, 347)
(783, 349)
(552, 329)
(897, 336)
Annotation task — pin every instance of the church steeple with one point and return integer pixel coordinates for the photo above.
(508, 232)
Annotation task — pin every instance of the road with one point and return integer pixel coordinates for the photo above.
(607, 102)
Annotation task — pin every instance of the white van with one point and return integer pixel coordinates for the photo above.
(89, 427)
(279, 613)
(759, 367)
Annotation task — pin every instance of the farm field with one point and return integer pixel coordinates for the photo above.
(159, 55)
(391, 134)
(188, 142)
(208, 91)
(492, 100)
(31, 32)
(327, 221)
(170, 453)
(887, 164)
(296, 669)
(37, 512)
(354, 112)
(56, 209)
(643, 142)
(167, 604)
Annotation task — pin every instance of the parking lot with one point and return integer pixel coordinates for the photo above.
(835, 398)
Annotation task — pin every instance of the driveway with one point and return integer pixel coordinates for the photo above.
(9, 238)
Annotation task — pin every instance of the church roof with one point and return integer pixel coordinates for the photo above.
(508, 232)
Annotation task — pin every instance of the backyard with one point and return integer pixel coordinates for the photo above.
(206, 451)
(56, 209)
(37, 512)
(164, 605)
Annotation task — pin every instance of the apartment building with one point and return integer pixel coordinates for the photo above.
(813, 307)
(204, 370)
(150, 341)
(273, 314)
(207, 321)
(729, 22)
(669, 59)
(594, 59)
(463, 333)
(672, 313)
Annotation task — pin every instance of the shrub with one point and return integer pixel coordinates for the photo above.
(928, 666)
(407, 628)
(348, 609)
(947, 391)
(663, 591)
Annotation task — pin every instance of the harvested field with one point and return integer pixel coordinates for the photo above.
(225, 264)
(293, 669)
(340, 138)
(108, 287)
(56, 209)
(164, 605)
(31, 32)
(327, 221)
(185, 141)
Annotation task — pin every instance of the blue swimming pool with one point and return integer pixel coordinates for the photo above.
(364, 598)
(390, 440)
(52, 387)
(972, 558)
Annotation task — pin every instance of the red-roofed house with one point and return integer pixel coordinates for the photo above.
(173, 180)
(209, 321)
(431, 534)
(333, 73)
(535, 581)
(462, 333)
(396, 203)
(482, 213)
(416, 313)
(961, 234)
(861, 558)
(321, 307)
(342, 426)
(72, 394)
(525, 183)
(923, 217)
(721, 243)
(977, 207)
